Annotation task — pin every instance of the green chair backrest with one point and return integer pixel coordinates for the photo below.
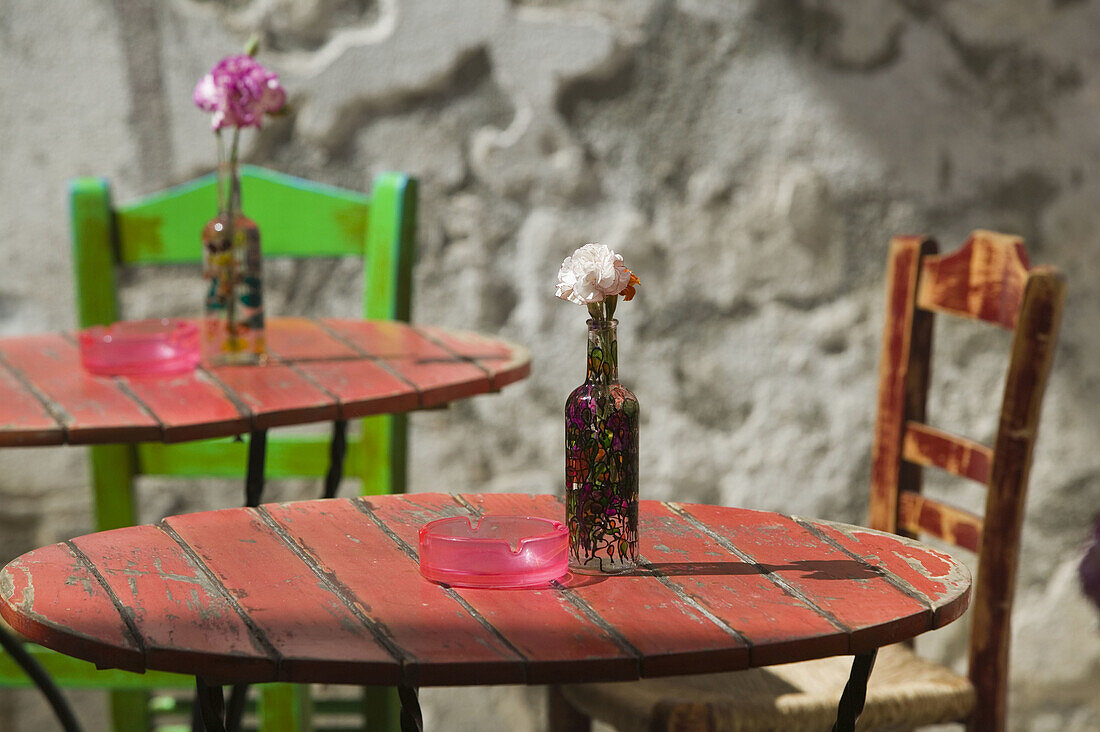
(297, 218)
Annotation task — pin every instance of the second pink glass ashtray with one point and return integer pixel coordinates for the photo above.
(495, 551)
(140, 347)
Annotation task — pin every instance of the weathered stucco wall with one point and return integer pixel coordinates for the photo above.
(750, 160)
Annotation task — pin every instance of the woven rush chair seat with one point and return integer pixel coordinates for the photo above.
(904, 691)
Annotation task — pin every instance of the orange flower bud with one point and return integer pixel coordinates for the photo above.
(628, 291)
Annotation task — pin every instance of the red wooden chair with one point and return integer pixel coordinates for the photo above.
(987, 279)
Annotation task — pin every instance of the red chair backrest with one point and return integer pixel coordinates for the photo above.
(988, 279)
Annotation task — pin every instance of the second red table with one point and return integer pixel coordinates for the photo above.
(320, 370)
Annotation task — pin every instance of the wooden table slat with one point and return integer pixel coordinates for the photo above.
(506, 363)
(778, 627)
(508, 369)
(277, 395)
(559, 641)
(95, 409)
(439, 374)
(52, 596)
(674, 634)
(445, 644)
(442, 381)
(299, 339)
(24, 420)
(179, 611)
(363, 387)
(933, 574)
(466, 343)
(385, 339)
(845, 588)
(318, 636)
(190, 406)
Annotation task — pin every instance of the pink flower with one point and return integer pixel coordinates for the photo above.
(239, 91)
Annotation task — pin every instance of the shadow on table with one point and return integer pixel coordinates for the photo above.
(817, 569)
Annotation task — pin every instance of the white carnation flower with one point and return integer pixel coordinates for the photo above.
(590, 274)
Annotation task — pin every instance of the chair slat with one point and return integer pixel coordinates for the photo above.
(904, 369)
(984, 279)
(959, 456)
(298, 218)
(918, 514)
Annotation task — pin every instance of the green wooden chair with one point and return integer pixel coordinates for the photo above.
(297, 219)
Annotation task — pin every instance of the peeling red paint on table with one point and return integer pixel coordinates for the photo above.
(311, 630)
(56, 598)
(776, 626)
(555, 637)
(842, 588)
(176, 607)
(329, 591)
(319, 370)
(929, 573)
(440, 637)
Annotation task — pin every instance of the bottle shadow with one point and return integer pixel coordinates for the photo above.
(814, 569)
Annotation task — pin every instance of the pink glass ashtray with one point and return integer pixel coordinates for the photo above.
(495, 551)
(140, 347)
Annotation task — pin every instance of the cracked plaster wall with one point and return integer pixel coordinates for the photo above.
(749, 158)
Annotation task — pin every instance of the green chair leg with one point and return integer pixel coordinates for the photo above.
(285, 708)
(130, 711)
(382, 708)
(113, 469)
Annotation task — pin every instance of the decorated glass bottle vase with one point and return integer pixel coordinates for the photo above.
(601, 462)
(232, 265)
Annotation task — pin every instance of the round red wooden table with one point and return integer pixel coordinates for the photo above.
(329, 591)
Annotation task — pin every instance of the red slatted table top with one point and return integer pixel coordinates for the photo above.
(319, 370)
(330, 591)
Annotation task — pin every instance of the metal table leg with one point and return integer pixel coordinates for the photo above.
(337, 452)
(196, 716)
(855, 692)
(212, 705)
(254, 479)
(411, 718)
(41, 679)
(234, 712)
